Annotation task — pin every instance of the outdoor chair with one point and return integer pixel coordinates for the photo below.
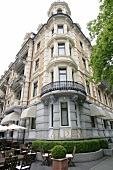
(45, 157)
(26, 163)
(71, 157)
(7, 164)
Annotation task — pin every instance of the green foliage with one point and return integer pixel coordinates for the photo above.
(58, 152)
(103, 143)
(83, 146)
(102, 53)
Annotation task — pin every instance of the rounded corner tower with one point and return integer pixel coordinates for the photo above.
(59, 7)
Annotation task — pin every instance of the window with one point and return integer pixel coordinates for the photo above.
(76, 115)
(52, 115)
(81, 44)
(35, 89)
(88, 88)
(84, 63)
(72, 75)
(52, 51)
(64, 114)
(62, 74)
(99, 95)
(36, 64)
(105, 124)
(52, 77)
(92, 121)
(52, 31)
(61, 49)
(111, 123)
(19, 95)
(33, 123)
(60, 29)
(105, 98)
(70, 51)
(38, 45)
(59, 11)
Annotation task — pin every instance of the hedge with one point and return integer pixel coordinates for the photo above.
(83, 146)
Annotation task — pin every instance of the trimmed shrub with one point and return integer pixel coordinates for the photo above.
(103, 143)
(83, 146)
(58, 152)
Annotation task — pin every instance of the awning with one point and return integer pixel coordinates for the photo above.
(109, 116)
(10, 117)
(96, 111)
(29, 112)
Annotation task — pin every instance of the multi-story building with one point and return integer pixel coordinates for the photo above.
(46, 89)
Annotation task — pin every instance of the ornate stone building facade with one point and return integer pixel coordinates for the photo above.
(46, 89)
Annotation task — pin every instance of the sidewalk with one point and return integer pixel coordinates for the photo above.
(106, 163)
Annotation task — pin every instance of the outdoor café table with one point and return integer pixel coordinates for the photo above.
(2, 160)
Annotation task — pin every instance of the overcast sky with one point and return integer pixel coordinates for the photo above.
(18, 17)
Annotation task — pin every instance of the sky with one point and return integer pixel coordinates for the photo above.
(18, 17)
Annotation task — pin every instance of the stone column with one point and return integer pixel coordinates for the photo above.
(56, 74)
(69, 73)
(67, 48)
(27, 74)
(55, 48)
(65, 28)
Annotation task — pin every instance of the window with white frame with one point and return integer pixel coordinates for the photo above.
(52, 77)
(61, 49)
(38, 46)
(35, 89)
(36, 64)
(60, 29)
(62, 74)
(64, 114)
(105, 123)
(51, 115)
(52, 51)
(99, 95)
(52, 31)
(33, 123)
(105, 98)
(111, 123)
(92, 121)
(88, 87)
(81, 44)
(19, 95)
(70, 50)
(84, 63)
(76, 115)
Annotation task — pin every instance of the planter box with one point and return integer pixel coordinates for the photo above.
(60, 164)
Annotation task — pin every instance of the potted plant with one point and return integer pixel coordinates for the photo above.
(60, 162)
(10, 154)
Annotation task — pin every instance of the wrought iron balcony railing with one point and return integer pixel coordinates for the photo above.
(62, 85)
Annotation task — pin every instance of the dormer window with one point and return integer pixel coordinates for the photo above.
(60, 29)
(59, 11)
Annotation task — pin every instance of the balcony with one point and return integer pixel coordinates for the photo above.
(63, 88)
(17, 82)
(103, 85)
(19, 64)
(3, 85)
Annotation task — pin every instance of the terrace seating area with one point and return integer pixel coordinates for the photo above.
(16, 155)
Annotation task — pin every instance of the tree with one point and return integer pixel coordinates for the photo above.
(101, 29)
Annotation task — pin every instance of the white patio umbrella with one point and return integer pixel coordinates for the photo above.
(15, 127)
(3, 128)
